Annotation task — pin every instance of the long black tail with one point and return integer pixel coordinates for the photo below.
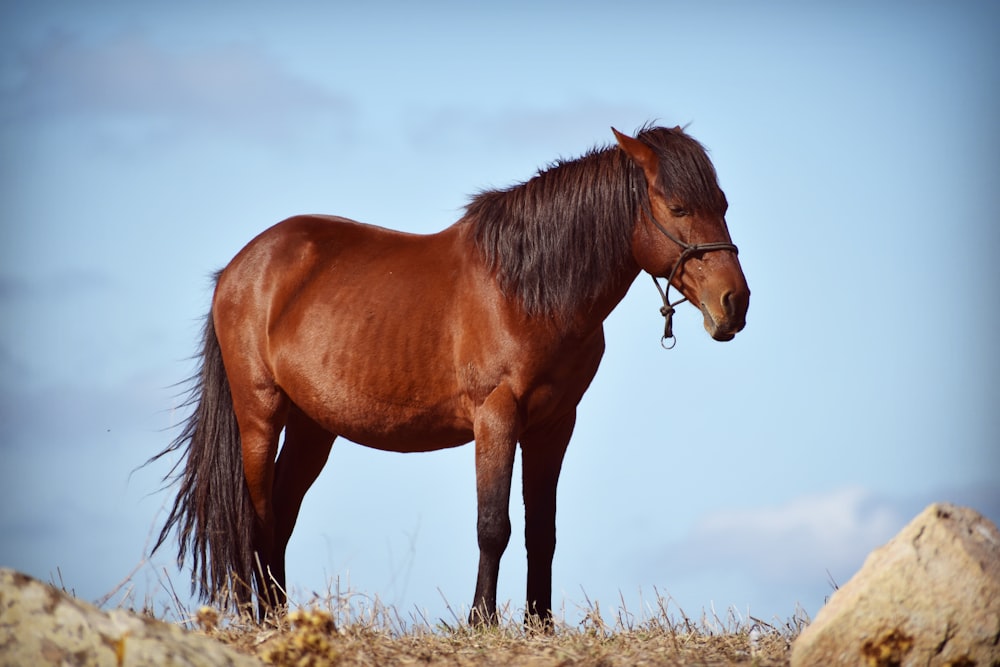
(212, 513)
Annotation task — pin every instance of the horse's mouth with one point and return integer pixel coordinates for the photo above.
(721, 331)
(722, 336)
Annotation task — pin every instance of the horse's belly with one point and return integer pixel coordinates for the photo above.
(412, 441)
(407, 438)
(396, 426)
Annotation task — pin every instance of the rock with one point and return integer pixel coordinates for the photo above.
(931, 596)
(40, 625)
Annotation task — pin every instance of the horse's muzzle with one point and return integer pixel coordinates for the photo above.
(727, 316)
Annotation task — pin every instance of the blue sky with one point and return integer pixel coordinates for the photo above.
(141, 145)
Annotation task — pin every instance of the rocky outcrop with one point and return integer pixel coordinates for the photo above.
(931, 596)
(40, 625)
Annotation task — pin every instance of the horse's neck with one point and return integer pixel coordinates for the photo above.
(616, 287)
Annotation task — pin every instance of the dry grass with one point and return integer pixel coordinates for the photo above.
(350, 629)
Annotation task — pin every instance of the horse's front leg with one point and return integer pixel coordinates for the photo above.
(496, 430)
(542, 452)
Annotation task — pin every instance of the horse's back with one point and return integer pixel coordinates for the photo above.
(307, 240)
(308, 252)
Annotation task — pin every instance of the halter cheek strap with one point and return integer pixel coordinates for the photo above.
(687, 249)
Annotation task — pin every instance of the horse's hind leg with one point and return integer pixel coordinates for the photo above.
(261, 410)
(303, 455)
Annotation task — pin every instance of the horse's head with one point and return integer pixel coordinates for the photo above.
(680, 232)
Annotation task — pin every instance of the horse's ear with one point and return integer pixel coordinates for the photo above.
(641, 154)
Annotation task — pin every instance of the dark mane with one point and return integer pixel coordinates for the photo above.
(555, 239)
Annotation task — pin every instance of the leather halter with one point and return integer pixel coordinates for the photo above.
(687, 249)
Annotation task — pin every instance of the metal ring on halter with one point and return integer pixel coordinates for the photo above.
(667, 310)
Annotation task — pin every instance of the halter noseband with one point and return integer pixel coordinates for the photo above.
(687, 249)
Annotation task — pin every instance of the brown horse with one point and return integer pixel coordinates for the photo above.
(490, 330)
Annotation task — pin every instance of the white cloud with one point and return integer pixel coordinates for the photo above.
(142, 85)
(795, 541)
(775, 556)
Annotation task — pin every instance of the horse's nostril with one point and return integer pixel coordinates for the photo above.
(729, 304)
(733, 303)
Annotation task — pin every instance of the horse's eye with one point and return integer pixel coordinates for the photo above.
(678, 212)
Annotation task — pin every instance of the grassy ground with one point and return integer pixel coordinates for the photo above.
(348, 629)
